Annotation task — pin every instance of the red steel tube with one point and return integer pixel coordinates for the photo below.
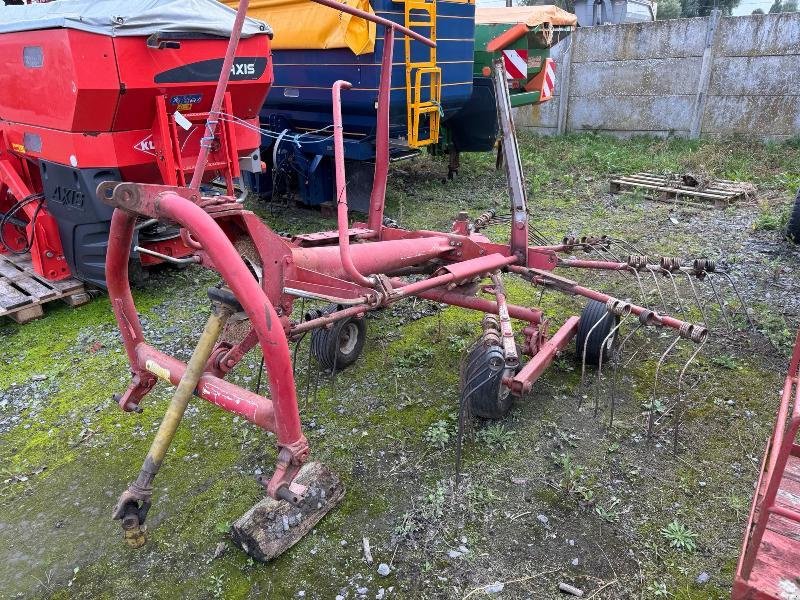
(579, 290)
(356, 12)
(779, 450)
(533, 369)
(372, 257)
(219, 95)
(603, 265)
(481, 265)
(475, 303)
(263, 317)
(341, 188)
(228, 396)
(230, 265)
(378, 196)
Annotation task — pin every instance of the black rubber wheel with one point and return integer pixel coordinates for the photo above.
(793, 226)
(595, 348)
(483, 388)
(339, 346)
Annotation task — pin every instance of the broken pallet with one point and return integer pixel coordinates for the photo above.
(23, 292)
(719, 191)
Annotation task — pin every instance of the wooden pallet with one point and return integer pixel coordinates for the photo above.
(719, 191)
(23, 292)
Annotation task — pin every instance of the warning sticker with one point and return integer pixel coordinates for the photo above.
(156, 369)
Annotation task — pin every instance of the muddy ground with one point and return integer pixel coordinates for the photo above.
(555, 493)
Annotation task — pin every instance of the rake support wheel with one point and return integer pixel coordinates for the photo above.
(340, 345)
(483, 386)
(592, 336)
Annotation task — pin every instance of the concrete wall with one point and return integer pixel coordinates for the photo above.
(684, 77)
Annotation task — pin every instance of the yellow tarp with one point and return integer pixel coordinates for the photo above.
(304, 25)
(530, 15)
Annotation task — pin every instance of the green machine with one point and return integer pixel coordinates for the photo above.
(522, 36)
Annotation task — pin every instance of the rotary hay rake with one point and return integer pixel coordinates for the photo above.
(356, 269)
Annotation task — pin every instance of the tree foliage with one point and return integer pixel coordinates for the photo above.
(779, 6)
(669, 9)
(703, 8)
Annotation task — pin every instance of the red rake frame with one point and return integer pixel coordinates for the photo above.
(360, 269)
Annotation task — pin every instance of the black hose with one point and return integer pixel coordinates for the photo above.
(8, 218)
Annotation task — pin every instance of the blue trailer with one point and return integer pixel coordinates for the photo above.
(429, 87)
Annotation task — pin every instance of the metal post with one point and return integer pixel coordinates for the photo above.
(696, 125)
(565, 68)
(513, 162)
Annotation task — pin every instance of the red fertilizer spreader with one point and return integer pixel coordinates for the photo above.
(120, 91)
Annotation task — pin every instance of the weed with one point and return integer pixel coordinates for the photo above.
(433, 507)
(572, 479)
(457, 344)
(608, 513)
(414, 357)
(222, 527)
(656, 406)
(725, 361)
(497, 437)
(770, 219)
(439, 434)
(679, 536)
(658, 589)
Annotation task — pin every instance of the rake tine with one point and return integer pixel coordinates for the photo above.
(308, 374)
(617, 360)
(700, 304)
(294, 353)
(641, 287)
(333, 370)
(668, 273)
(679, 405)
(613, 331)
(727, 276)
(626, 244)
(260, 373)
(583, 358)
(651, 416)
(658, 287)
(719, 300)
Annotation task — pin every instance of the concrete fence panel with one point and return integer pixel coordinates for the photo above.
(707, 76)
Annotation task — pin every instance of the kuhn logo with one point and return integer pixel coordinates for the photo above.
(243, 69)
(146, 145)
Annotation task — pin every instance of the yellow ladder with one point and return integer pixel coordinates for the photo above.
(423, 78)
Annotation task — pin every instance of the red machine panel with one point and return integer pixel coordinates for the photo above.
(187, 76)
(58, 78)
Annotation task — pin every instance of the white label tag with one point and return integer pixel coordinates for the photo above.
(182, 121)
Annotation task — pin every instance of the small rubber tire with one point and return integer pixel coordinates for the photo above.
(793, 225)
(487, 396)
(590, 315)
(340, 345)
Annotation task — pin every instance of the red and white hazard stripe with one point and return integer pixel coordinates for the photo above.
(549, 82)
(516, 63)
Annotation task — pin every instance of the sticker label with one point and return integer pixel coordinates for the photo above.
(146, 145)
(157, 370)
(182, 121)
(18, 148)
(186, 99)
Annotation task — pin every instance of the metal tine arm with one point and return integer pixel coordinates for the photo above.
(583, 357)
(680, 405)
(619, 309)
(651, 416)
